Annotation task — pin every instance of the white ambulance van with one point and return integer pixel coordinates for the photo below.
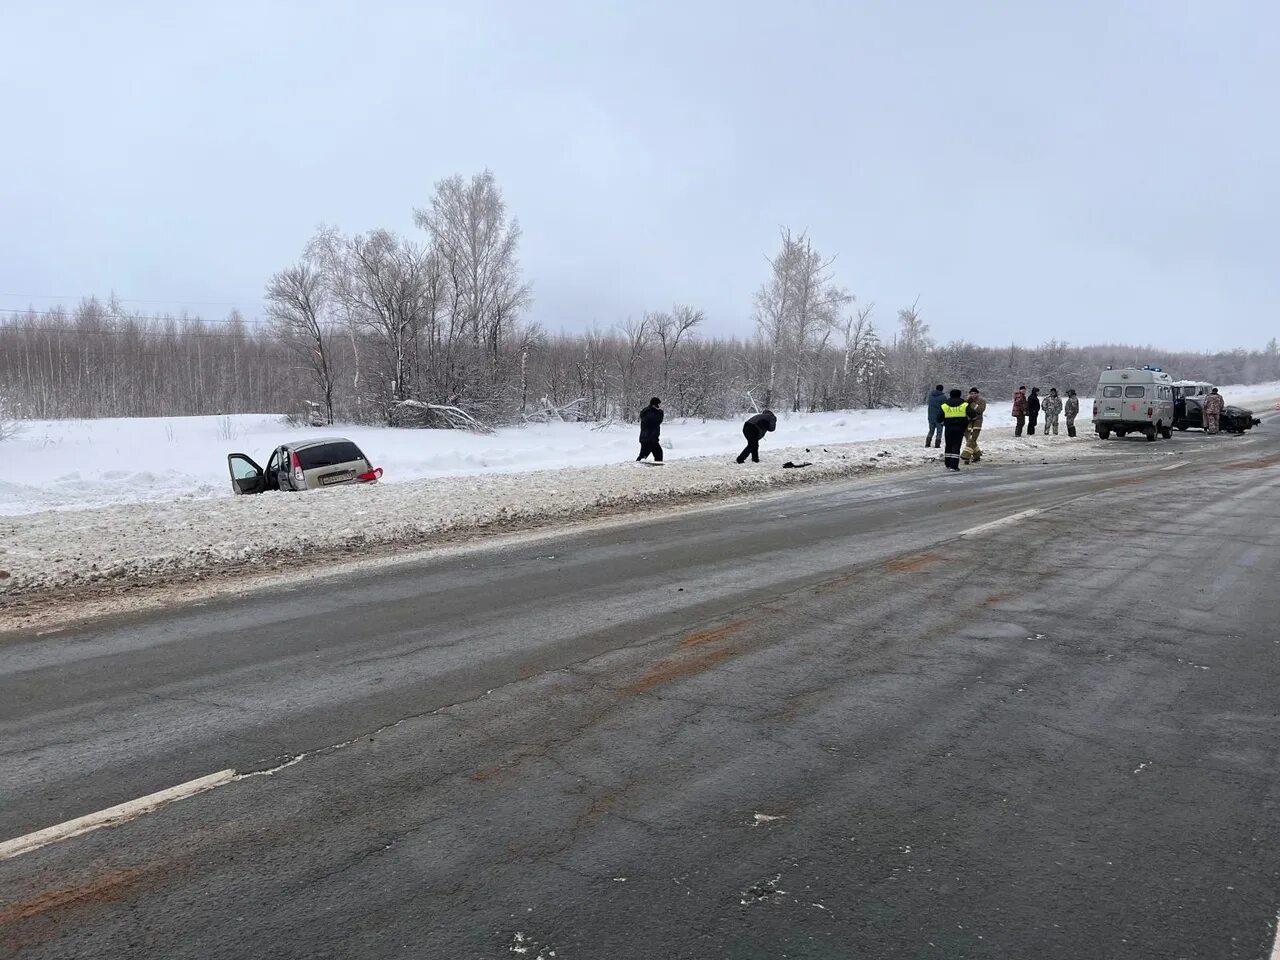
(1134, 401)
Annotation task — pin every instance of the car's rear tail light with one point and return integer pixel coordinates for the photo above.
(1150, 411)
(370, 475)
(297, 468)
(1095, 409)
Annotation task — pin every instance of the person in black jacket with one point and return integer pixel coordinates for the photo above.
(755, 428)
(1033, 411)
(650, 429)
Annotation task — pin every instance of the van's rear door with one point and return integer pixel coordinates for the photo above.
(1111, 402)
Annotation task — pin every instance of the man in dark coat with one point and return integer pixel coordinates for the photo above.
(955, 421)
(934, 401)
(755, 428)
(650, 429)
(1033, 411)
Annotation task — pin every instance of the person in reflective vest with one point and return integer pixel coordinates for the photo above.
(955, 419)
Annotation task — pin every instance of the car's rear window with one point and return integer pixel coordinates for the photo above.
(1111, 391)
(327, 454)
(1135, 391)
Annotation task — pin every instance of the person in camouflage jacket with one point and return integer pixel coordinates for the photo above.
(1051, 409)
(977, 407)
(1072, 411)
(1213, 407)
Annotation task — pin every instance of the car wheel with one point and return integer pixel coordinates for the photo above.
(1104, 433)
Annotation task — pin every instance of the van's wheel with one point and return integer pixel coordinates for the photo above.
(1121, 433)
(1166, 432)
(1151, 434)
(1104, 433)
(1181, 427)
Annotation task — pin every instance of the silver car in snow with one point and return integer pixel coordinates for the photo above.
(308, 465)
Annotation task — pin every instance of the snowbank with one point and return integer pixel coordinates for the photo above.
(157, 541)
(77, 464)
(80, 464)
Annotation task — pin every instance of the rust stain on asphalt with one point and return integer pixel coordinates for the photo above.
(912, 564)
(674, 669)
(837, 583)
(110, 887)
(698, 638)
(998, 598)
(49, 908)
(1270, 461)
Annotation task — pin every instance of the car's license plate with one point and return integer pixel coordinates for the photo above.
(335, 478)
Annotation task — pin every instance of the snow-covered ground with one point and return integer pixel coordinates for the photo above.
(155, 504)
(57, 549)
(77, 464)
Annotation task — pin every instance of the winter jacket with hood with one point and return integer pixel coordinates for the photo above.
(1073, 407)
(763, 422)
(1019, 403)
(1033, 403)
(651, 422)
(977, 407)
(935, 401)
(1052, 405)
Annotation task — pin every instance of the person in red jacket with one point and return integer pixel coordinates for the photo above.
(1020, 409)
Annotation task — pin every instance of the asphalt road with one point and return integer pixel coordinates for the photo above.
(852, 721)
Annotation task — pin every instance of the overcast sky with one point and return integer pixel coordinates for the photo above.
(1096, 171)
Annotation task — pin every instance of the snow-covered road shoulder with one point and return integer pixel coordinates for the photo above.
(91, 551)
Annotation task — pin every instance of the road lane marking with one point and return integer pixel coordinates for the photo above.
(1275, 945)
(113, 816)
(1173, 466)
(1002, 522)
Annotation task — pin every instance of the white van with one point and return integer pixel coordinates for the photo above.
(1134, 401)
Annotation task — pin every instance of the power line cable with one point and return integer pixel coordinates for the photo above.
(80, 297)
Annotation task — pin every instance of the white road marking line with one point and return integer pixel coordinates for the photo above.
(113, 816)
(1002, 522)
(1173, 466)
(1275, 946)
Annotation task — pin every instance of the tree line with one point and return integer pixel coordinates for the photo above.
(431, 330)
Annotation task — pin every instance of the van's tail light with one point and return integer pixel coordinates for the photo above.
(1150, 411)
(297, 468)
(370, 475)
(1095, 409)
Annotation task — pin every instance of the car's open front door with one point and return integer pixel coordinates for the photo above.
(246, 476)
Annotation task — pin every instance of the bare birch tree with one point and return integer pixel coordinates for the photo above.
(478, 252)
(297, 301)
(797, 307)
(672, 329)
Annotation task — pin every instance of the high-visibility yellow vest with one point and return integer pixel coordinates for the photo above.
(955, 412)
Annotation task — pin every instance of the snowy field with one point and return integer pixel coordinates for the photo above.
(154, 507)
(116, 546)
(81, 464)
(78, 464)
